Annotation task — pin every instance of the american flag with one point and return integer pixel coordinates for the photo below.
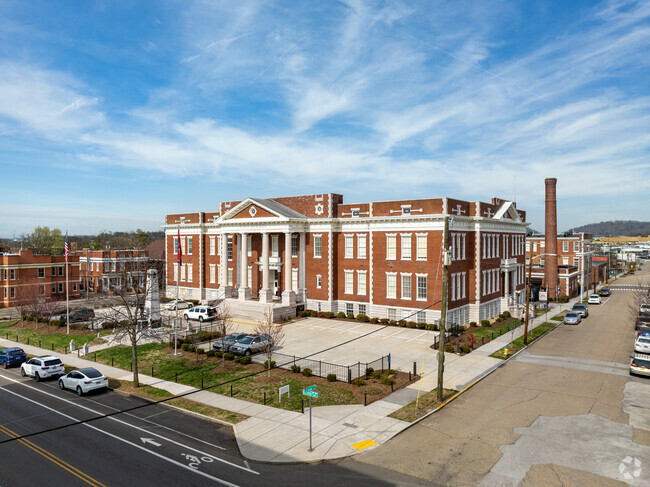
(66, 248)
(180, 251)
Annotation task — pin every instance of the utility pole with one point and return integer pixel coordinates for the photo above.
(443, 308)
(582, 265)
(530, 273)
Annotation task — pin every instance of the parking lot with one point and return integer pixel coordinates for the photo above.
(355, 342)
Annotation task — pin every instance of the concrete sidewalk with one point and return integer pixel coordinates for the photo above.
(275, 435)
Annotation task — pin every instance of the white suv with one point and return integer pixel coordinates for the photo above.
(201, 313)
(42, 367)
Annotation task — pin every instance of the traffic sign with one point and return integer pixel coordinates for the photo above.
(305, 392)
(310, 388)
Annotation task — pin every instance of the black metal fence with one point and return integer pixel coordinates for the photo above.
(344, 373)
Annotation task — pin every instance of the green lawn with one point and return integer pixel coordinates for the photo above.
(518, 344)
(56, 337)
(497, 331)
(209, 372)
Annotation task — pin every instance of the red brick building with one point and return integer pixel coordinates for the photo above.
(24, 276)
(381, 259)
(574, 255)
(105, 270)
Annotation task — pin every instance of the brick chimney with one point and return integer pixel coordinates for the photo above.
(550, 239)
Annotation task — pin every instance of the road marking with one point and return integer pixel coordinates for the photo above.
(52, 458)
(150, 441)
(164, 438)
(124, 440)
(364, 444)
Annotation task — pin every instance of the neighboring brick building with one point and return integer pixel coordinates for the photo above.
(24, 275)
(382, 259)
(574, 253)
(105, 270)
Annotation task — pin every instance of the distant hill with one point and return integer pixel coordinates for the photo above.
(628, 228)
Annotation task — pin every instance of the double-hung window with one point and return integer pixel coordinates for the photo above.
(318, 246)
(391, 247)
(422, 287)
(361, 283)
(212, 245)
(406, 286)
(349, 246)
(391, 285)
(361, 246)
(406, 246)
(349, 282)
(421, 247)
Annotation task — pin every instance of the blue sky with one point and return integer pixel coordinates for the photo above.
(113, 114)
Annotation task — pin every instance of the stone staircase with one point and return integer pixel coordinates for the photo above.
(256, 311)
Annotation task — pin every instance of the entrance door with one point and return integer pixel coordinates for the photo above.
(274, 280)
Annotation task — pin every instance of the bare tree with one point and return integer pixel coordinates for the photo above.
(46, 308)
(125, 311)
(27, 299)
(273, 331)
(224, 325)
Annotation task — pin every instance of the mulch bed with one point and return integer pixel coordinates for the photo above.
(465, 337)
(75, 328)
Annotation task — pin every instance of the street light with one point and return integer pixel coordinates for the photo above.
(530, 273)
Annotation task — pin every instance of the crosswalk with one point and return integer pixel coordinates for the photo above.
(629, 287)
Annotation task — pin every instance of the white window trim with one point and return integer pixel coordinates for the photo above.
(348, 237)
(424, 237)
(318, 236)
(391, 274)
(346, 273)
(362, 237)
(417, 298)
(409, 236)
(389, 236)
(319, 281)
(360, 291)
(410, 276)
(464, 281)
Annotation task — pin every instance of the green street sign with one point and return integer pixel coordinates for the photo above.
(310, 388)
(305, 392)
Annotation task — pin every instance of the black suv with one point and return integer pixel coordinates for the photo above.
(85, 314)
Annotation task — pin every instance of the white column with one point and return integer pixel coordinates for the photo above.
(266, 296)
(302, 287)
(288, 296)
(507, 287)
(244, 290)
(225, 288)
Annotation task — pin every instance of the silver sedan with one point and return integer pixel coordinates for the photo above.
(572, 318)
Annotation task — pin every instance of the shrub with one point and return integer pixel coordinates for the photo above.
(331, 377)
(472, 323)
(485, 322)
(359, 381)
(200, 351)
(229, 356)
(375, 375)
(185, 346)
(191, 348)
(295, 369)
(218, 354)
(328, 314)
(392, 322)
(401, 323)
(307, 372)
(449, 349)
(350, 316)
(411, 324)
(266, 364)
(374, 320)
(464, 349)
(386, 380)
(499, 319)
(246, 360)
(432, 327)
(211, 353)
(563, 299)
(363, 318)
(340, 314)
(369, 370)
(304, 314)
(421, 326)
(506, 314)
(389, 372)
(384, 321)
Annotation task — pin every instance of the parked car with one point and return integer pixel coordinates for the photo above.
(12, 356)
(594, 299)
(42, 367)
(201, 313)
(78, 315)
(640, 364)
(605, 292)
(644, 308)
(642, 343)
(642, 320)
(251, 344)
(83, 381)
(225, 344)
(181, 305)
(581, 309)
(572, 318)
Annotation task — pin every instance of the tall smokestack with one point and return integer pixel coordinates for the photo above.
(550, 239)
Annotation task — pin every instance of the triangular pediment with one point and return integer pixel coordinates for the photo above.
(257, 208)
(507, 211)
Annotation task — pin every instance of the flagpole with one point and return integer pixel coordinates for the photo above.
(67, 297)
(178, 278)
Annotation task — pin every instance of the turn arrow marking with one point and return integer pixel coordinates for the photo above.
(149, 440)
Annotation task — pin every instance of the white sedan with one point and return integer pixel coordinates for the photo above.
(181, 305)
(83, 381)
(594, 299)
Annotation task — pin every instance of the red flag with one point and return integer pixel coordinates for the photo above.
(66, 249)
(180, 250)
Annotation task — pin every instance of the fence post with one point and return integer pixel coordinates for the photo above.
(319, 369)
(389, 360)
(302, 406)
(265, 398)
(176, 377)
(39, 344)
(415, 370)
(53, 347)
(65, 350)
(230, 390)
(131, 366)
(111, 361)
(391, 387)
(152, 371)
(457, 347)
(382, 363)
(409, 376)
(78, 352)
(365, 398)
(202, 385)
(349, 375)
(95, 356)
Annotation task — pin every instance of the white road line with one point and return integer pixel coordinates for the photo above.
(415, 338)
(147, 431)
(167, 459)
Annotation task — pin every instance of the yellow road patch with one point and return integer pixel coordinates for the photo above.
(364, 444)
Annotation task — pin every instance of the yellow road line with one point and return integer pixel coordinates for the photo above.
(53, 458)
